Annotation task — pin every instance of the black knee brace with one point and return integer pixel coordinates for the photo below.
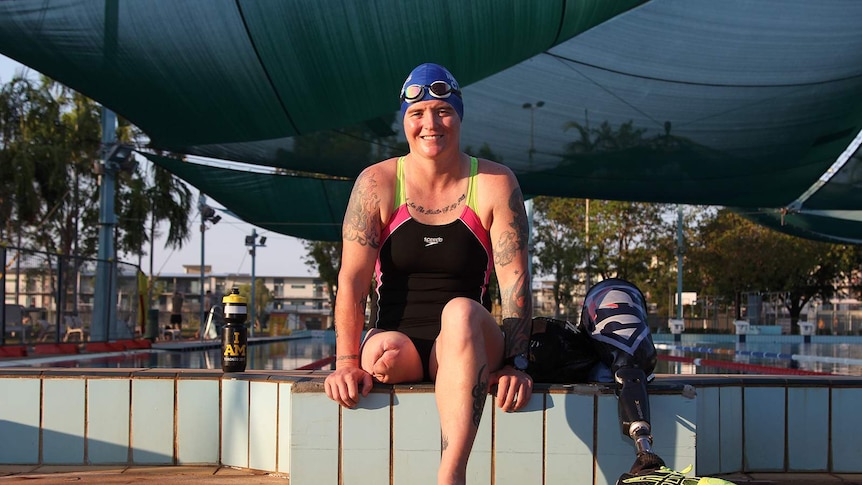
(614, 315)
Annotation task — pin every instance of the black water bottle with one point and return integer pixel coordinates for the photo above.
(234, 335)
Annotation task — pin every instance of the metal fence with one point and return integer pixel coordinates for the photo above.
(50, 298)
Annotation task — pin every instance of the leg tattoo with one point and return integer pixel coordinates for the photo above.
(480, 390)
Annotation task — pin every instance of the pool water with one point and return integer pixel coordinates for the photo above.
(760, 358)
(673, 358)
(281, 355)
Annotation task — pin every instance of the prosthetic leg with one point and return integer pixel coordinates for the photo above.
(614, 315)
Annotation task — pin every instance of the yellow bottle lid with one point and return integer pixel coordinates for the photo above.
(234, 298)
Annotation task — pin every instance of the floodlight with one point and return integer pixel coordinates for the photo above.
(262, 240)
(119, 153)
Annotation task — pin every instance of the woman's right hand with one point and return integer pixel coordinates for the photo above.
(345, 385)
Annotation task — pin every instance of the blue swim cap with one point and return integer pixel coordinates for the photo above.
(425, 74)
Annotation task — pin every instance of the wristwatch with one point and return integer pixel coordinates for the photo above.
(519, 362)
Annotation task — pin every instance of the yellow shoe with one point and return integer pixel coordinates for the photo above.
(666, 476)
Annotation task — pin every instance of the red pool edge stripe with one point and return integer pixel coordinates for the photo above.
(766, 369)
(318, 364)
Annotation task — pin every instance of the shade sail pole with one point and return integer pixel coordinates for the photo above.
(103, 298)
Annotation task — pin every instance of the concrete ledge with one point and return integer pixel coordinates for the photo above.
(282, 422)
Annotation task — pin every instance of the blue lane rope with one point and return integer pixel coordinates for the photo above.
(763, 355)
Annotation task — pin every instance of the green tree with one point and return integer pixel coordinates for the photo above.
(50, 141)
(630, 240)
(325, 257)
(559, 246)
(624, 239)
(737, 256)
(262, 298)
(35, 163)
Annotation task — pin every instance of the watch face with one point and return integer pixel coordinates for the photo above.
(521, 362)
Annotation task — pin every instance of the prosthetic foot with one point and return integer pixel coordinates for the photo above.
(665, 476)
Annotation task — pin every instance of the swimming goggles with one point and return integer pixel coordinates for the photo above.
(437, 89)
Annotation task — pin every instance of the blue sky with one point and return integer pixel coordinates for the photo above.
(224, 248)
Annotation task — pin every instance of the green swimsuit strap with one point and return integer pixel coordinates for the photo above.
(400, 198)
(472, 195)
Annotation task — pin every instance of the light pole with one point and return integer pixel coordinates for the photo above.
(207, 214)
(252, 242)
(532, 107)
(587, 281)
(680, 251)
(116, 158)
(529, 204)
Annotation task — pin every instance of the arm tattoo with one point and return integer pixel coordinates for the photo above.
(480, 390)
(517, 305)
(360, 221)
(516, 239)
(347, 357)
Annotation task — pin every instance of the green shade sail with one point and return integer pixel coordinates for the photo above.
(736, 103)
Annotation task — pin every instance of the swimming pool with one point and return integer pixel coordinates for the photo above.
(785, 358)
(278, 355)
(688, 357)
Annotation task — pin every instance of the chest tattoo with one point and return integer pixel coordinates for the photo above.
(425, 210)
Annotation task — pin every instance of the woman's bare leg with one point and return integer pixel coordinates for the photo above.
(468, 349)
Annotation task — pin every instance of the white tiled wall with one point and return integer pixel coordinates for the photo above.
(278, 424)
(314, 439)
(846, 423)
(808, 429)
(234, 422)
(262, 429)
(198, 429)
(283, 426)
(152, 435)
(519, 442)
(730, 429)
(416, 439)
(569, 435)
(365, 441)
(108, 406)
(20, 420)
(63, 421)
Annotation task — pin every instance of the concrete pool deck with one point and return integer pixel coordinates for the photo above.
(56, 475)
(194, 425)
(98, 425)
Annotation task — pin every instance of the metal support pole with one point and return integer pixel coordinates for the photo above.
(60, 296)
(252, 304)
(528, 205)
(202, 200)
(680, 250)
(3, 295)
(587, 245)
(103, 299)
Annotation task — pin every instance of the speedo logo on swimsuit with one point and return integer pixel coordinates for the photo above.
(430, 241)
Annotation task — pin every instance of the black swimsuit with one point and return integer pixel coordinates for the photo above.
(422, 267)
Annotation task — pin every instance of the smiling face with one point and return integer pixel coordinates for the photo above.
(432, 128)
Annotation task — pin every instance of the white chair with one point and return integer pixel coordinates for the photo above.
(74, 327)
(171, 333)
